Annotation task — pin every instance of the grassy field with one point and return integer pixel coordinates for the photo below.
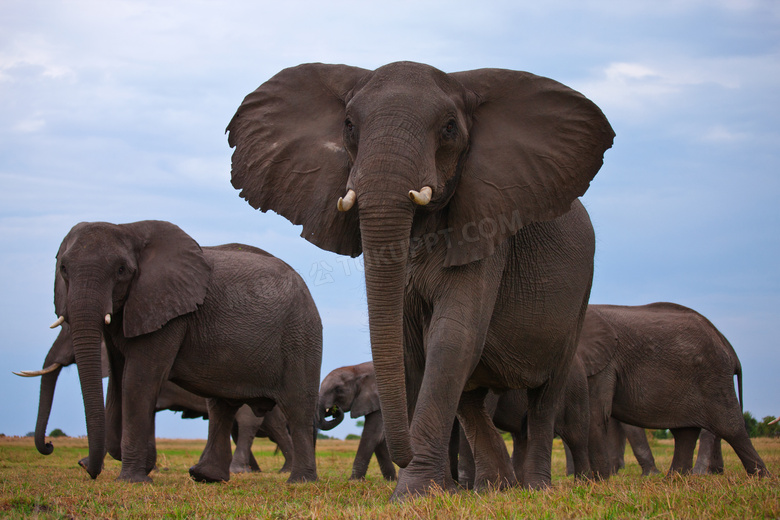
(34, 485)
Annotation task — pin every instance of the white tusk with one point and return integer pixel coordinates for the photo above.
(347, 201)
(421, 197)
(108, 319)
(33, 373)
(776, 420)
(57, 323)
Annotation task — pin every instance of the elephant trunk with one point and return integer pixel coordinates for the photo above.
(87, 333)
(328, 424)
(48, 383)
(385, 231)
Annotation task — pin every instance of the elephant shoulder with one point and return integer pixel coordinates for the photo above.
(598, 341)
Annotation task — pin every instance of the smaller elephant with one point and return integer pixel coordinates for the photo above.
(662, 365)
(353, 389)
(172, 397)
(231, 323)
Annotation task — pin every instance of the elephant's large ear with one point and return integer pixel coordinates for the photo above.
(289, 154)
(366, 397)
(172, 278)
(534, 147)
(598, 342)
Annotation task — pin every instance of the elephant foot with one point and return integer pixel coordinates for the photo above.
(537, 483)
(651, 471)
(414, 482)
(208, 474)
(243, 468)
(304, 476)
(134, 478)
(287, 468)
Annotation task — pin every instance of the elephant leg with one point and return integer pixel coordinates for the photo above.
(275, 426)
(684, 444)
(519, 453)
(466, 469)
(569, 459)
(455, 438)
(453, 343)
(114, 409)
(637, 438)
(601, 393)
(542, 404)
(301, 422)
(373, 432)
(247, 428)
(492, 465)
(616, 442)
(710, 456)
(573, 428)
(731, 428)
(138, 447)
(575, 442)
(214, 463)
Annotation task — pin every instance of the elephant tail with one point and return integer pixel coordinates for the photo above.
(738, 373)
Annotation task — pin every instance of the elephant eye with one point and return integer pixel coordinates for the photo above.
(348, 126)
(450, 130)
(121, 270)
(63, 270)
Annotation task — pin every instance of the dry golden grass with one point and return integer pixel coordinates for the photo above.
(55, 487)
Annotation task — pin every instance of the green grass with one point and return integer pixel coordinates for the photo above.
(33, 485)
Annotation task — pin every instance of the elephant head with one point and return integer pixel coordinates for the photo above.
(121, 281)
(347, 389)
(384, 162)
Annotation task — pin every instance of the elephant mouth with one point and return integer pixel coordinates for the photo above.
(331, 417)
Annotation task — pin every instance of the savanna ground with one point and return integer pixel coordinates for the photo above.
(53, 486)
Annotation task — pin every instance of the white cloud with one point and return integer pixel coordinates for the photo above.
(29, 126)
(721, 134)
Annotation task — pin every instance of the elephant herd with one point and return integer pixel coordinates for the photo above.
(461, 192)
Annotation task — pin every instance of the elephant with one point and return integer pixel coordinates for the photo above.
(172, 397)
(231, 323)
(461, 192)
(662, 365)
(353, 389)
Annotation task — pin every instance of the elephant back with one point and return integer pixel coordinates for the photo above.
(598, 341)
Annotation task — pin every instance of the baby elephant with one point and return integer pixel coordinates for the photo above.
(353, 389)
(231, 323)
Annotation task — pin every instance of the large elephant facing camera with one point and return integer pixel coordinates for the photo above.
(460, 190)
(231, 323)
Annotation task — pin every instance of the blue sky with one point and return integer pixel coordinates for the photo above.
(116, 111)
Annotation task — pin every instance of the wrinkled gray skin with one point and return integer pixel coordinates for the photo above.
(231, 322)
(353, 389)
(172, 397)
(484, 284)
(661, 366)
(510, 410)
